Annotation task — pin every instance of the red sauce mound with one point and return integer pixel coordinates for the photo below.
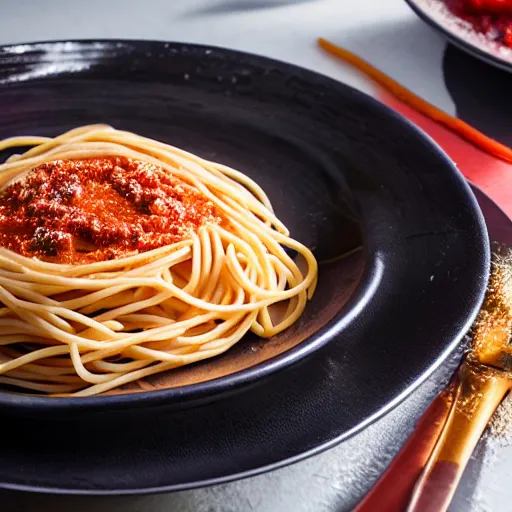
(82, 211)
(491, 17)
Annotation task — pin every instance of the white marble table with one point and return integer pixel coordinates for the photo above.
(389, 35)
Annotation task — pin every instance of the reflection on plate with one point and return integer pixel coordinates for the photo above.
(462, 33)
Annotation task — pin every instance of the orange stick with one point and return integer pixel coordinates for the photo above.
(466, 131)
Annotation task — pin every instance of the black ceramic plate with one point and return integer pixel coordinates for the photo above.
(462, 34)
(339, 167)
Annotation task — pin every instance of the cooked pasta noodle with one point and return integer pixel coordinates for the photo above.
(100, 319)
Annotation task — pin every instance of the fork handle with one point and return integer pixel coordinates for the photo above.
(479, 393)
(393, 489)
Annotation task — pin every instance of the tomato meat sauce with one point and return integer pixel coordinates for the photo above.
(88, 210)
(491, 17)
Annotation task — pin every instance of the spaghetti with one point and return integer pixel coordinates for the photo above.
(122, 257)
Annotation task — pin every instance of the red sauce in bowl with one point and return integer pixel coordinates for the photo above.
(82, 211)
(491, 17)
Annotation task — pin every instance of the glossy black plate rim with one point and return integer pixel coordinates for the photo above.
(461, 43)
(195, 393)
